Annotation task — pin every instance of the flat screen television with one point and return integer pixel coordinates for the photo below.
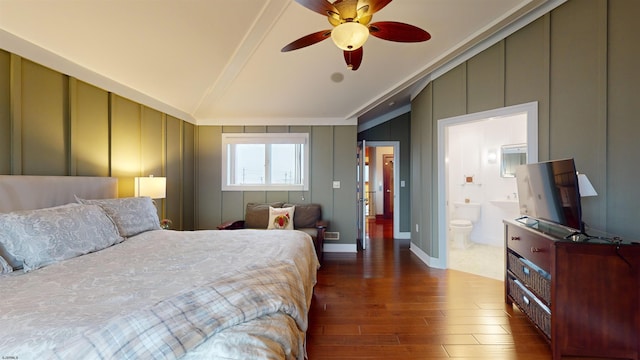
(549, 191)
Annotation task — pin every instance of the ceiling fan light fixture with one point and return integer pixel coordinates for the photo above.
(350, 35)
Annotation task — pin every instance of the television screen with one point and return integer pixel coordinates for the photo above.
(549, 191)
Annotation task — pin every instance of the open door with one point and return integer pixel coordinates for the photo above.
(361, 194)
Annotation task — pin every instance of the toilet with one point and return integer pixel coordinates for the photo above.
(461, 224)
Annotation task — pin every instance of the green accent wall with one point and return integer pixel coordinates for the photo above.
(397, 129)
(53, 124)
(332, 157)
(579, 62)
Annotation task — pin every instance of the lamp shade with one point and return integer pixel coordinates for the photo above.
(153, 187)
(586, 189)
(350, 36)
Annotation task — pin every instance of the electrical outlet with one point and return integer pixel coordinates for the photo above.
(417, 228)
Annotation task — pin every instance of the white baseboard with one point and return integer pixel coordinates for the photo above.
(348, 248)
(425, 258)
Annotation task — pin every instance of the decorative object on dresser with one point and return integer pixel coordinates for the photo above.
(306, 218)
(584, 297)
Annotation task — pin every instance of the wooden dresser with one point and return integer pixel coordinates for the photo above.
(583, 296)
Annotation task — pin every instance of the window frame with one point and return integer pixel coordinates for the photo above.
(265, 139)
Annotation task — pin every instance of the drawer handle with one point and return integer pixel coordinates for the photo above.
(525, 270)
(515, 238)
(526, 301)
(535, 250)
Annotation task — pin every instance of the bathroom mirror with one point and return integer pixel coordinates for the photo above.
(512, 156)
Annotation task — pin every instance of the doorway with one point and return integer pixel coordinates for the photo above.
(383, 202)
(475, 178)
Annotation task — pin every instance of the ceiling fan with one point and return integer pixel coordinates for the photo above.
(351, 20)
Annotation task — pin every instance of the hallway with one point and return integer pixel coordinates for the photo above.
(384, 303)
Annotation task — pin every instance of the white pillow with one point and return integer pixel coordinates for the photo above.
(44, 236)
(132, 215)
(281, 218)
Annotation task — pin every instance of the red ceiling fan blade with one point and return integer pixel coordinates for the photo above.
(323, 7)
(307, 40)
(353, 58)
(377, 5)
(397, 31)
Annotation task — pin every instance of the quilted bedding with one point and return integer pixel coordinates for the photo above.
(164, 294)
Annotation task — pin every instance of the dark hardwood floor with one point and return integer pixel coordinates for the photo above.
(384, 303)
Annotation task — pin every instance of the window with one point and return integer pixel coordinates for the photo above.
(266, 161)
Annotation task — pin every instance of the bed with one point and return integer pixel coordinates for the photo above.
(151, 293)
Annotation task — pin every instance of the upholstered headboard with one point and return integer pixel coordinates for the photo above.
(24, 192)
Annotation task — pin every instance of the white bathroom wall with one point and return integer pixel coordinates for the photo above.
(468, 149)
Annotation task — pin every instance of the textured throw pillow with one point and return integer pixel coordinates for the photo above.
(132, 215)
(44, 236)
(5, 268)
(307, 215)
(256, 215)
(281, 218)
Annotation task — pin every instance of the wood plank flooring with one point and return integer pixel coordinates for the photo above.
(384, 303)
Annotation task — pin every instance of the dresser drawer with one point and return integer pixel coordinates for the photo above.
(533, 277)
(530, 305)
(534, 248)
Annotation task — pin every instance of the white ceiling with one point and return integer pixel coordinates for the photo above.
(219, 61)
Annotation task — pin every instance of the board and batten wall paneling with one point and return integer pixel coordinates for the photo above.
(320, 183)
(208, 194)
(52, 124)
(151, 143)
(125, 143)
(419, 118)
(527, 63)
(344, 199)
(188, 175)
(45, 121)
(5, 113)
(89, 129)
(450, 93)
(623, 124)
(579, 96)
(397, 129)
(426, 134)
(152, 149)
(173, 172)
(485, 79)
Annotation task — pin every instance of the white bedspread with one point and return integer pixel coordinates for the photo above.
(62, 304)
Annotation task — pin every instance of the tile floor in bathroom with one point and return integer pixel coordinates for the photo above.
(479, 259)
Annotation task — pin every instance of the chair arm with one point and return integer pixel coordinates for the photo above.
(231, 225)
(322, 224)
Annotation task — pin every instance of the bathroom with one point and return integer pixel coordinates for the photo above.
(480, 157)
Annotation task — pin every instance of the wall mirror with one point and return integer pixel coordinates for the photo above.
(512, 156)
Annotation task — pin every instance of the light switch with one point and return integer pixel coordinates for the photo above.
(401, 183)
(336, 184)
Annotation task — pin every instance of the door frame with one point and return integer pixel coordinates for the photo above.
(531, 111)
(396, 179)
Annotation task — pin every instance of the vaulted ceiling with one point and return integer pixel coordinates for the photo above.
(219, 61)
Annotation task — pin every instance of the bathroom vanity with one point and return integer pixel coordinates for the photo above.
(582, 295)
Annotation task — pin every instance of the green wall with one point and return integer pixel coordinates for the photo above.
(53, 124)
(332, 157)
(397, 129)
(579, 62)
